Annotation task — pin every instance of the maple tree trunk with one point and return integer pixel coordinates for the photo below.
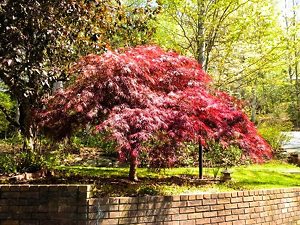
(132, 171)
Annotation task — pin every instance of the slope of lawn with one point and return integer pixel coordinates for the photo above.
(270, 175)
(114, 182)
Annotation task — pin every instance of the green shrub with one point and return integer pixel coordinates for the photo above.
(12, 143)
(189, 155)
(217, 156)
(7, 163)
(21, 162)
(272, 133)
(162, 152)
(147, 190)
(28, 162)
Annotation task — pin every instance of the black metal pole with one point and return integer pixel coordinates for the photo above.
(200, 161)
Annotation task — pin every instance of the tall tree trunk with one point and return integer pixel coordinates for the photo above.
(288, 45)
(133, 166)
(253, 105)
(200, 34)
(297, 90)
(27, 126)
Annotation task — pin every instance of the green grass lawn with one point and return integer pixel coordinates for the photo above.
(113, 181)
(269, 175)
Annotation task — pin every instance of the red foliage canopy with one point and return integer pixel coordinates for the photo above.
(139, 91)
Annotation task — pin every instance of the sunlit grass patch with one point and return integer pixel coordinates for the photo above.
(173, 181)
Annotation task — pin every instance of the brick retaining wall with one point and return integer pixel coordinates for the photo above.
(43, 204)
(278, 206)
(73, 205)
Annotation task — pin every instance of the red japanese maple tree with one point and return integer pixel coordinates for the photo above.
(137, 92)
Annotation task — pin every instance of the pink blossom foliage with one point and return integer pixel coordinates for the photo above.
(137, 92)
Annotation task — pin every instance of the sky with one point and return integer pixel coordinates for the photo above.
(289, 3)
(286, 9)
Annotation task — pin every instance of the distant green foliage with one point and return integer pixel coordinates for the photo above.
(294, 113)
(99, 140)
(271, 131)
(8, 104)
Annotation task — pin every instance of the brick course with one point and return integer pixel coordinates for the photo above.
(74, 205)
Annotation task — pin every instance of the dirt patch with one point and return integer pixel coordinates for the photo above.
(91, 157)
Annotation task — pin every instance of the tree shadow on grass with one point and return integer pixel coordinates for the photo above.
(119, 185)
(114, 181)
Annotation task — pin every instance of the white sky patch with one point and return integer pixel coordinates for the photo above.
(140, 3)
(286, 7)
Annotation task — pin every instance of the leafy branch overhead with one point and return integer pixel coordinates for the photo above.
(136, 93)
(40, 39)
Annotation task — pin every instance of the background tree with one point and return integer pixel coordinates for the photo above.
(291, 37)
(242, 46)
(39, 40)
(196, 27)
(6, 112)
(142, 92)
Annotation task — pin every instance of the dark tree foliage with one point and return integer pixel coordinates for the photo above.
(40, 38)
(141, 92)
